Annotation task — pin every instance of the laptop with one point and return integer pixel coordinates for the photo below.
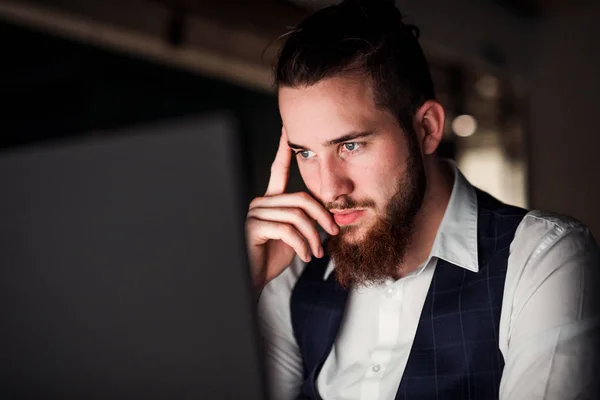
(123, 268)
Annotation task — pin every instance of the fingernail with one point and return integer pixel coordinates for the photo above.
(321, 252)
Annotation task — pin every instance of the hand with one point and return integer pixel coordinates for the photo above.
(280, 225)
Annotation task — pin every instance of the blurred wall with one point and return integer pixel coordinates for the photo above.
(480, 32)
(555, 61)
(61, 89)
(564, 137)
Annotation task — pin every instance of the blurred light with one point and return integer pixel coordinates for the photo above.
(487, 87)
(464, 125)
(488, 168)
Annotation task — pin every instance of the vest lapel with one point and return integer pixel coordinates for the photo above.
(455, 353)
(317, 306)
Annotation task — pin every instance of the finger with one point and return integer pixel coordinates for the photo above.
(269, 230)
(302, 200)
(297, 218)
(280, 169)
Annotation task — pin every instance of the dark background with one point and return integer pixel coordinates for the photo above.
(58, 81)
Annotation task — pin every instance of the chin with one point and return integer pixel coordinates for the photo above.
(354, 234)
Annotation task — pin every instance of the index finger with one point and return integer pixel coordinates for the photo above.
(280, 169)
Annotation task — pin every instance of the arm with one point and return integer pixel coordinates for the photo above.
(284, 363)
(551, 350)
(281, 232)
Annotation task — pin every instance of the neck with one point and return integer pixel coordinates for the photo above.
(440, 179)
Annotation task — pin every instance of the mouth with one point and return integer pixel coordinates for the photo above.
(346, 217)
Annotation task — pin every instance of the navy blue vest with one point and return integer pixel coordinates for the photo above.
(455, 354)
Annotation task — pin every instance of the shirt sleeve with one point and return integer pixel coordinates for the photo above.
(282, 355)
(551, 344)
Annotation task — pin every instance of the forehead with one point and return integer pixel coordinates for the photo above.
(329, 108)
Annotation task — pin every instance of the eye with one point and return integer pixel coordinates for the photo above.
(351, 146)
(305, 154)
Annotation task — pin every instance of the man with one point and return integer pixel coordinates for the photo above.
(394, 277)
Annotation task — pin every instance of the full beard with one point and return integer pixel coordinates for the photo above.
(379, 253)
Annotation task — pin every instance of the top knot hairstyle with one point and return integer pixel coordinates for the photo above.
(364, 38)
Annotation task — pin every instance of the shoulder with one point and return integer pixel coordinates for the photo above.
(546, 244)
(553, 220)
(539, 230)
(549, 311)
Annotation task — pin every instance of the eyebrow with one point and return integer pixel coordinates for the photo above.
(346, 138)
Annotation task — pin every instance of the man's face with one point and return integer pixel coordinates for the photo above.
(356, 160)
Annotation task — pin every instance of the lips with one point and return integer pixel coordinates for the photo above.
(347, 217)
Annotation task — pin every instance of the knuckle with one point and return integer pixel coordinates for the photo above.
(255, 202)
(288, 230)
(297, 213)
(302, 244)
(304, 195)
(251, 222)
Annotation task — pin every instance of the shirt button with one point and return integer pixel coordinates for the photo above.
(376, 368)
(390, 292)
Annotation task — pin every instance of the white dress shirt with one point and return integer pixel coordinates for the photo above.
(547, 325)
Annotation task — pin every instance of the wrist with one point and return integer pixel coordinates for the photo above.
(258, 284)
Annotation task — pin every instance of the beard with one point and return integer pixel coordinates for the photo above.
(378, 254)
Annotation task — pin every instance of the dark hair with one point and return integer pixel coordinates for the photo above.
(366, 38)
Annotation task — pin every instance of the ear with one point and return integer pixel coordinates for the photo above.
(429, 121)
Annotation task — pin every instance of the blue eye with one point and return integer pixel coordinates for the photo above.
(352, 146)
(306, 154)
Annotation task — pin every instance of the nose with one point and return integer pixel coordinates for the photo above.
(335, 181)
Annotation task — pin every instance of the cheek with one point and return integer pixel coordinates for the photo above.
(310, 176)
(378, 181)
(374, 187)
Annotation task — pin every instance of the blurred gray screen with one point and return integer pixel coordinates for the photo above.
(123, 268)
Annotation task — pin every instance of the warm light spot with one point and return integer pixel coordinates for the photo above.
(464, 125)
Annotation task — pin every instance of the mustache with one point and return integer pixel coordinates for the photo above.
(349, 203)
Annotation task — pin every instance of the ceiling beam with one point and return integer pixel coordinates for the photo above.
(230, 43)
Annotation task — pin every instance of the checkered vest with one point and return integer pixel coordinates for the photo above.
(455, 354)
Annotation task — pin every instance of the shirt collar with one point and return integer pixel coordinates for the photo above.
(456, 239)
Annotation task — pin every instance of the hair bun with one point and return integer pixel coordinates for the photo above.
(372, 4)
(382, 13)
